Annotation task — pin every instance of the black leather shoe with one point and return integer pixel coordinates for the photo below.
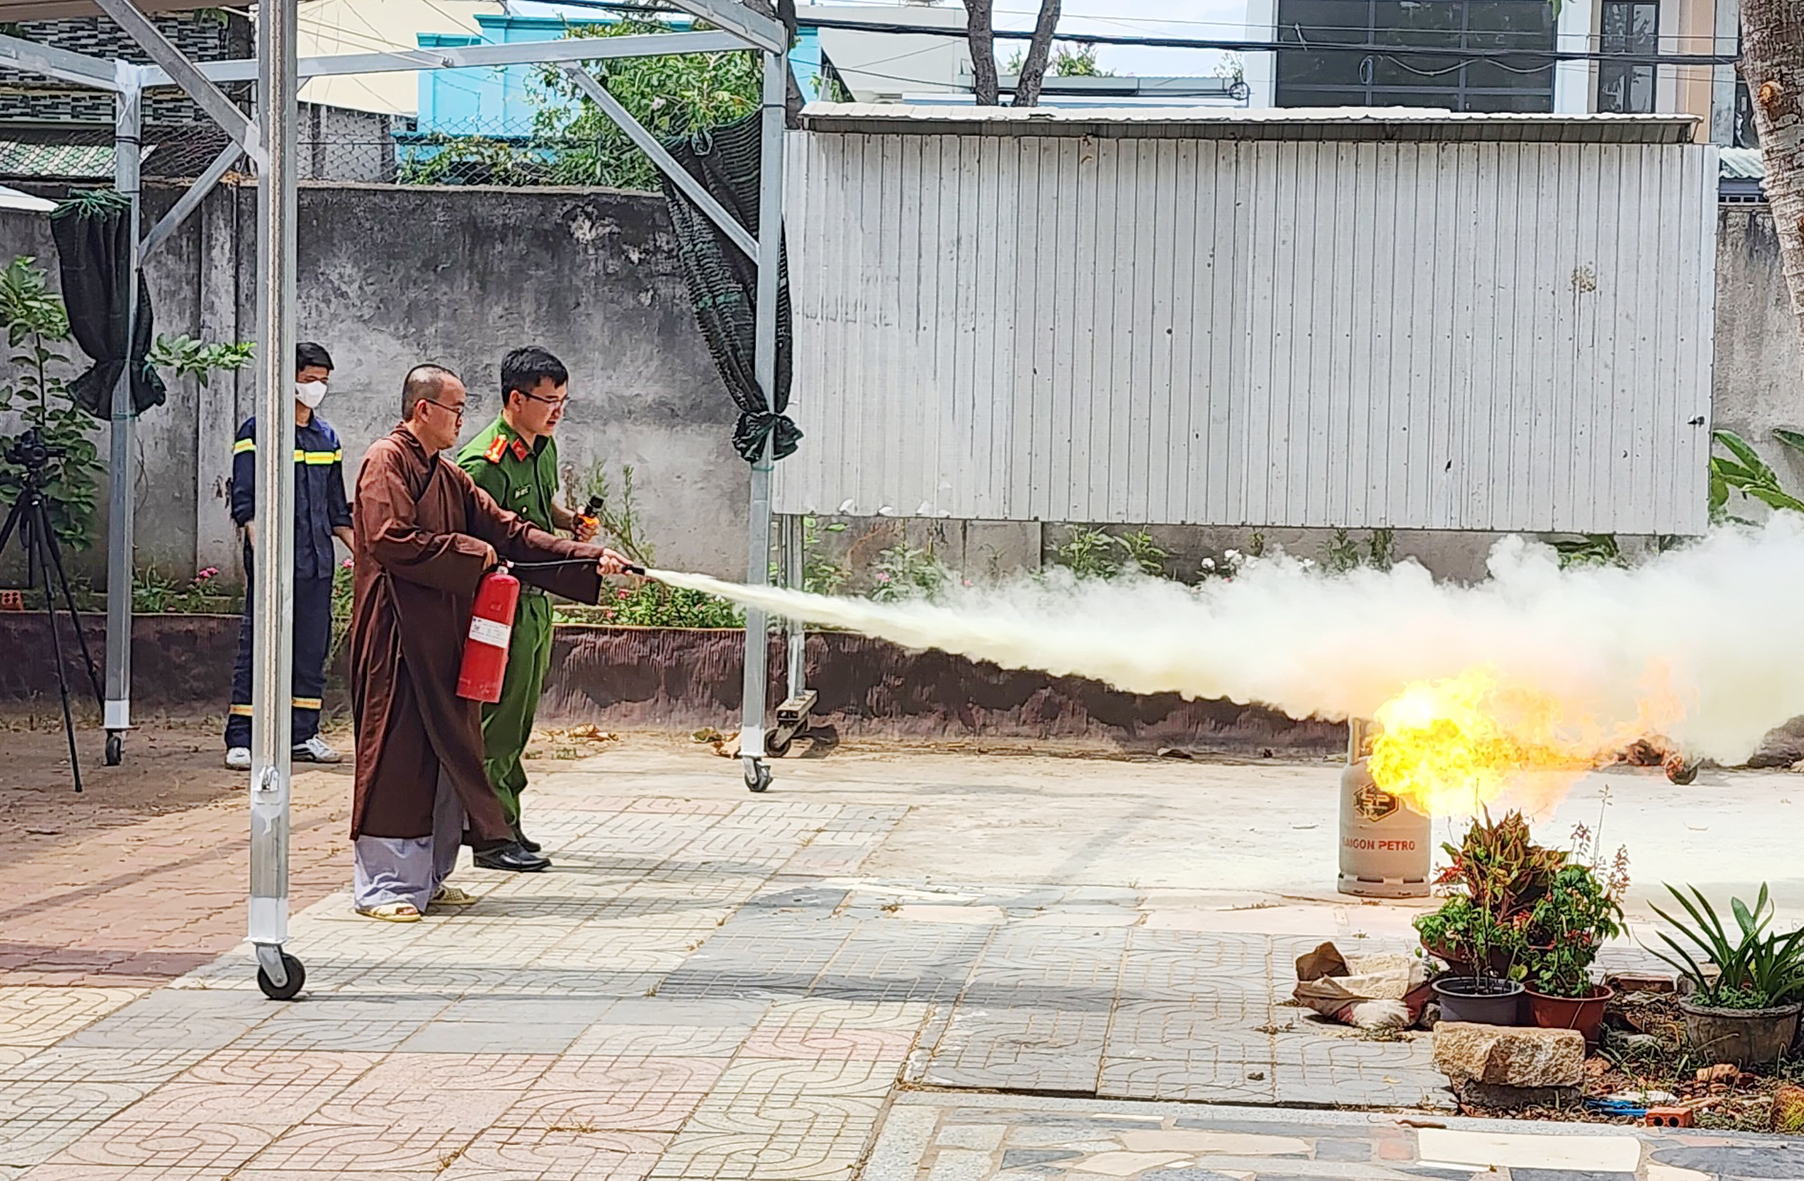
(524, 841)
(512, 857)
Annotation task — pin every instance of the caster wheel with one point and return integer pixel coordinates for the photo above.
(777, 750)
(297, 979)
(757, 777)
(115, 750)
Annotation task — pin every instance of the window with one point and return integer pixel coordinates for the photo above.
(1314, 77)
(1746, 134)
(1628, 26)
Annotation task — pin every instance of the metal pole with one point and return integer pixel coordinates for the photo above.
(764, 368)
(273, 609)
(122, 465)
(791, 538)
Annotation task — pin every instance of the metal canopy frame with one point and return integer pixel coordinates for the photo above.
(269, 142)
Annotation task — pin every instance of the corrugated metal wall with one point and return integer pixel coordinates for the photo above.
(1489, 336)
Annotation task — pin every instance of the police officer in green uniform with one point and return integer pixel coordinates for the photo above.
(515, 462)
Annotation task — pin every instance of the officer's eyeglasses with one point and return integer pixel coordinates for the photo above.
(554, 403)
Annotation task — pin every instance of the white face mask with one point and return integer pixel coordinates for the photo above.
(310, 393)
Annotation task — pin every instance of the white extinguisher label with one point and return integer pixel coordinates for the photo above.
(487, 631)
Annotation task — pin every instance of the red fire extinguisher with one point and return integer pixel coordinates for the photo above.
(491, 625)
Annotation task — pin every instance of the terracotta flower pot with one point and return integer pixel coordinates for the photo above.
(1585, 1014)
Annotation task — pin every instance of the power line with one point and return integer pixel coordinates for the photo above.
(1233, 44)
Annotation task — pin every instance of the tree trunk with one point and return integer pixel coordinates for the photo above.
(1772, 63)
(980, 32)
(1039, 51)
(792, 91)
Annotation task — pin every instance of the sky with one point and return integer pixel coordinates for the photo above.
(1152, 18)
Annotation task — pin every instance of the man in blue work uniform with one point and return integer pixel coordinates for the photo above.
(320, 514)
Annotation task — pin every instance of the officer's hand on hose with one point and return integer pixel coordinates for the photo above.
(612, 563)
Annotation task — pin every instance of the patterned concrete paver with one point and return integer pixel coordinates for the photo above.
(716, 987)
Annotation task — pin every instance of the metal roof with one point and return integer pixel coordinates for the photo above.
(1327, 123)
(1742, 164)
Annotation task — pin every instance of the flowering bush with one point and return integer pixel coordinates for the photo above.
(1568, 926)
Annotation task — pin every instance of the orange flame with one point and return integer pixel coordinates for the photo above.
(1452, 747)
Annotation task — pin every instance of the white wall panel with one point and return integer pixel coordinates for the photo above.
(1492, 336)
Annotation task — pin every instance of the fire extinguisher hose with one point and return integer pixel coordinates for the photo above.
(632, 569)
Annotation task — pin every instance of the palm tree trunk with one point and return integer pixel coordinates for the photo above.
(1772, 62)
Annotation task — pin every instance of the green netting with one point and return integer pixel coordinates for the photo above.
(723, 282)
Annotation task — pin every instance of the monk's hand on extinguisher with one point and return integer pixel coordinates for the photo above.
(489, 558)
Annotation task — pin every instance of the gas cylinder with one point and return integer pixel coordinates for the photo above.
(485, 648)
(1385, 846)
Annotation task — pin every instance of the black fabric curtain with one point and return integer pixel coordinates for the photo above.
(93, 246)
(723, 282)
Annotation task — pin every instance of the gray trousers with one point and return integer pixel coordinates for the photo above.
(410, 869)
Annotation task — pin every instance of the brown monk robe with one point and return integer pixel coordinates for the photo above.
(425, 536)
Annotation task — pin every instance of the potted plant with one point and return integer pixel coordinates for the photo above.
(1493, 880)
(1746, 988)
(1566, 928)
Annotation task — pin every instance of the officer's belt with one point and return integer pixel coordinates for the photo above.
(529, 591)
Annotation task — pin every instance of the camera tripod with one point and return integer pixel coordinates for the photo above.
(30, 519)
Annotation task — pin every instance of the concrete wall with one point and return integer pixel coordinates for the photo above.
(393, 276)
(389, 277)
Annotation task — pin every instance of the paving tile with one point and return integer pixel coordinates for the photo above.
(42, 1015)
(78, 1064)
(27, 1142)
(1164, 1029)
(1020, 1049)
(270, 1106)
(151, 1145)
(322, 1149)
(268, 1068)
(615, 1094)
(836, 1029)
(491, 1037)
(1325, 1069)
(1229, 1075)
(511, 1154)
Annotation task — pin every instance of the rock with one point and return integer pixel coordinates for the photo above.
(1722, 1072)
(1509, 1056)
(1788, 1109)
(1781, 747)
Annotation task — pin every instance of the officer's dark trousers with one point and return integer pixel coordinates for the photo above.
(312, 641)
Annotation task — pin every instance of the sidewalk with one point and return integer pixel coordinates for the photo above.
(822, 982)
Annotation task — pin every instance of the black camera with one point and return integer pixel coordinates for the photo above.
(31, 452)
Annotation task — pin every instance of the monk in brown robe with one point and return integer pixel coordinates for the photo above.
(425, 536)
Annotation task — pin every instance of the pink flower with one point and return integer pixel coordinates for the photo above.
(607, 612)
(623, 593)
(882, 577)
(209, 572)
(346, 564)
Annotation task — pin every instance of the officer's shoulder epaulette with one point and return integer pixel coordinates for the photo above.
(497, 448)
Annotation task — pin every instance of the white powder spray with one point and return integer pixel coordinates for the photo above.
(1706, 641)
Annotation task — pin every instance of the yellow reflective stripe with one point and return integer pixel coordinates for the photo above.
(306, 703)
(318, 458)
(241, 711)
(243, 445)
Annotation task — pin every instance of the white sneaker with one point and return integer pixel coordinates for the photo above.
(316, 750)
(239, 758)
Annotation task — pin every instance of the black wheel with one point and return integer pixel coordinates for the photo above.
(757, 777)
(297, 979)
(115, 750)
(776, 748)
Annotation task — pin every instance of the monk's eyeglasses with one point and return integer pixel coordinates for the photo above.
(457, 410)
